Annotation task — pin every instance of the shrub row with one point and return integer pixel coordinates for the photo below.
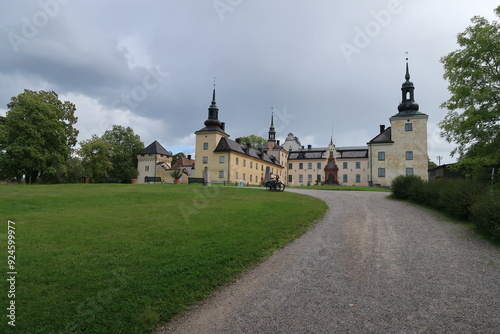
(463, 198)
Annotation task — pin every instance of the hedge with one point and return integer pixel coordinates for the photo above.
(463, 198)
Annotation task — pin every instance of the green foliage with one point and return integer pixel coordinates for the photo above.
(463, 198)
(485, 212)
(255, 141)
(96, 156)
(101, 258)
(125, 145)
(36, 137)
(473, 119)
(456, 196)
(401, 185)
(176, 174)
(176, 157)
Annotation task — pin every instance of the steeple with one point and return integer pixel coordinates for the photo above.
(213, 114)
(408, 105)
(272, 131)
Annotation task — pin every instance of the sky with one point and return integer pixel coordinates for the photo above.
(325, 68)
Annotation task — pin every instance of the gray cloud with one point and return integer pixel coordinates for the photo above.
(156, 60)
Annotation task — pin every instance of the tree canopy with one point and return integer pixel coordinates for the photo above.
(125, 145)
(473, 72)
(36, 136)
(96, 156)
(255, 141)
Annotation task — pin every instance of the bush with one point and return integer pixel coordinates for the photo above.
(457, 196)
(424, 192)
(401, 185)
(485, 212)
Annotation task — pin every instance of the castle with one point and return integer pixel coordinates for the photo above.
(400, 149)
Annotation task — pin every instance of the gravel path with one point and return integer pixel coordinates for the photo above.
(371, 265)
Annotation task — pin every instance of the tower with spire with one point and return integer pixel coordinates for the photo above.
(207, 139)
(401, 149)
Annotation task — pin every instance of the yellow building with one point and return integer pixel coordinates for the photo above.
(221, 159)
(401, 149)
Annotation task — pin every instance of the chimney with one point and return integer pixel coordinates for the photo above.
(309, 146)
(189, 156)
(238, 140)
(382, 128)
(223, 126)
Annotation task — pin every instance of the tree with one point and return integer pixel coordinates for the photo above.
(177, 157)
(255, 141)
(36, 136)
(96, 156)
(473, 119)
(125, 145)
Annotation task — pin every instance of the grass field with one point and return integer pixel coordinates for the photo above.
(122, 258)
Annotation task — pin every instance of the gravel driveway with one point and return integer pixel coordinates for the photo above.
(371, 265)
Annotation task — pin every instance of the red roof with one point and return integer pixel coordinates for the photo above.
(183, 162)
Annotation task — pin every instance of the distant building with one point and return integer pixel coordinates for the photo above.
(153, 161)
(401, 149)
(231, 161)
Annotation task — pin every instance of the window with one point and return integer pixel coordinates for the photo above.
(318, 177)
(301, 178)
(381, 156)
(309, 165)
(257, 166)
(221, 159)
(358, 177)
(409, 155)
(205, 160)
(237, 161)
(251, 178)
(409, 171)
(244, 176)
(331, 164)
(408, 127)
(290, 178)
(146, 169)
(205, 146)
(236, 175)
(301, 165)
(358, 165)
(381, 172)
(344, 178)
(318, 165)
(290, 166)
(251, 164)
(244, 163)
(221, 174)
(344, 165)
(309, 178)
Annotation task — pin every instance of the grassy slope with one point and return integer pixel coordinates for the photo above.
(121, 258)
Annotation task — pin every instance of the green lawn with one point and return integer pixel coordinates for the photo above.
(358, 188)
(122, 258)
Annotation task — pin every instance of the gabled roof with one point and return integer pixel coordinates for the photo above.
(383, 137)
(155, 148)
(228, 145)
(183, 162)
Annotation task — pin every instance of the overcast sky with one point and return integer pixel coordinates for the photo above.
(150, 65)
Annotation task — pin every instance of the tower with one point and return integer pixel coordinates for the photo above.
(207, 140)
(401, 149)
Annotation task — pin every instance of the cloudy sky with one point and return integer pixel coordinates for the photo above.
(151, 64)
